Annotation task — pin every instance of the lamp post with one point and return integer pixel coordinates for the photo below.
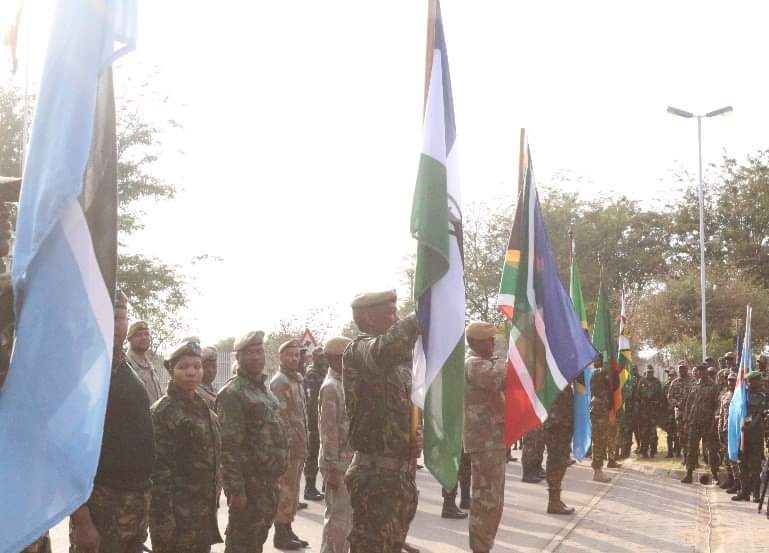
(689, 115)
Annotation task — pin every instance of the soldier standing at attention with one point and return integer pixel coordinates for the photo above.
(207, 390)
(485, 377)
(731, 484)
(753, 447)
(701, 405)
(335, 452)
(139, 342)
(674, 446)
(377, 389)
(187, 449)
(287, 385)
(559, 428)
(651, 403)
(600, 403)
(312, 383)
(254, 448)
(677, 394)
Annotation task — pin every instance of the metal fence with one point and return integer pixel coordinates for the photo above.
(224, 360)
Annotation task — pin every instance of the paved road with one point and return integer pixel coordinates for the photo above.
(637, 513)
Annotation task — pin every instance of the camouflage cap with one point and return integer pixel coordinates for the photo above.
(337, 345)
(729, 354)
(754, 375)
(209, 352)
(186, 347)
(289, 344)
(371, 299)
(136, 327)
(253, 338)
(732, 376)
(682, 363)
(479, 330)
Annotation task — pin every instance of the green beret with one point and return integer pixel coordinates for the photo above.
(754, 375)
(479, 330)
(289, 344)
(253, 338)
(371, 299)
(136, 327)
(186, 347)
(209, 352)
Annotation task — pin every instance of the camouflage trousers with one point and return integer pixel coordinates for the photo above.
(121, 517)
(247, 530)
(337, 521)
(750, 468)
(313, 449)
(289, 489)
(732, 470)
(647, 432)
(533, 451)
(464, 479)
(488, 497)
(695, 433)
(384, 503)
(40, 545)
(682, 434)
(604, 440)
(558, 442)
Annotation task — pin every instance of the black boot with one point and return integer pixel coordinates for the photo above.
(283, 539)
(669, 454)
(688, 478)
(464, 495)
(303, 543)
(531, 478)
(728, 483)
(450, 508)
(311, 493)
(612, 464)
(736, 487)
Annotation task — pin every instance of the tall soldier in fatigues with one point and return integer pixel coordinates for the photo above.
(600, 404)
(377, 388)
(485, 377)
(753, 446)
(700, 407)
(254, 448)
(722, 425)
(559, 428)
(650, 402)
(674, 443)
(677, 394)
(312, 383)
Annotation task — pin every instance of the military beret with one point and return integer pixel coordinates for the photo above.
(209, 352)
(371, 299)
(136, 327)
(682, 363)
(649, 369)
(730, 354)
(289, 344)
(337, 345)
(754, 375)
(731, 376)
(186, 347)
(253, 338)
(478, 330)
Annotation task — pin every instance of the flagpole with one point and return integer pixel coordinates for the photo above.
(521, 158)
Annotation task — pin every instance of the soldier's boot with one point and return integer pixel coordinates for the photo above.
(408, 548)
(283, 539)
(728, 483)
(744, 493)
(311, 493)
(301, 505)
(612, 464)
(736, 487)
(450, 508)
(541, 473)
(688, 478)
(715, 477)
(670, 448)
(531, 477)
(555, 506)
(303, 543)
(599, 476)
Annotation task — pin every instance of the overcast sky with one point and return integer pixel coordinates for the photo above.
(302, 122)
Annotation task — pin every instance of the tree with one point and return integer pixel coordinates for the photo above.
(11, 131)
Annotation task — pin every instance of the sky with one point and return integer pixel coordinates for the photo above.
(302, 125)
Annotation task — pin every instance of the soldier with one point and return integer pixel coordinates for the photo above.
(312, 382)
(531, 456)
(287, 385)
(450, 509)
(207, 390)
(730, 360)
(558, 429)
(377, 389)
(724, 400)
(628, 417)
(187, 446)
(677, 394)
(139, 341)
(335, 452)
(600, 404)
(753, 439)
(700, 408)
(485, 377)
(115, 516)
(674, 446)
(254, 448)
(650, 403)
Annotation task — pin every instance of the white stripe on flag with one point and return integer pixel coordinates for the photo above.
(523, 375)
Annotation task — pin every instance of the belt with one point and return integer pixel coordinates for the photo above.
(380, 461)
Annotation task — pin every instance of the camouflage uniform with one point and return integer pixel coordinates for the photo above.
(671, 426)
(677, 394)
(753, 450)
(558, 429)
(722, 426)
(628, 417)
(377, 389)
(533, 452)
(335, 455)
(143, 368)
(700, 409)
(650, 404)
(254, 457)
(287, 387)
(184, 480)
(604, 432)
(312, 383)
(484, 440)
(208, 393)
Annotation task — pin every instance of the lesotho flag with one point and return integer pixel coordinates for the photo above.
(548, 346)
(53, 403)
(439, 291)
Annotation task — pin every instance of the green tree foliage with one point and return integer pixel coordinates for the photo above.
(11, 131)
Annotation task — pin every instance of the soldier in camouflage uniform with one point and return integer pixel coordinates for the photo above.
(287, 385)
(600, 404)
(254, 448)
(335, 451)
(312, 383)
(558, 429)
(377, 389)
(677, 394)
(700, 408)
(722, 426)
(628, 417)
(753, 445)
(485, 377)
(671, 428)
(532, 453)
(207, 390)
(187, 450)
(651, 402)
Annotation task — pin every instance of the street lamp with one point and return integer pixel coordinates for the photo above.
(688, 115)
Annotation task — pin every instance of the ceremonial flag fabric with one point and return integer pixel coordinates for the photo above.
(605, 344)
(738, 408)
(547, 346)
(439, 291)
(582, 429)
(53, 403)
(624, 360)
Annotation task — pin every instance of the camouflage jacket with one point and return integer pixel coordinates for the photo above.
(312, 383)
(334, 426)
(184, 477)
(650, 396)
(377, 390)
(679, 390)
(600, 402)
(146, 373)
(701, 403)
(208, 393)
(724, 400)
(287, 386)
(484, 403)
(254, 442)
(560, 418)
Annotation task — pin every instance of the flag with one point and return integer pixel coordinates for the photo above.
(624, 361)
(583, 435)
(738, 408)
(604, 343)
(56, 392)
(439, 291)
(547, 346)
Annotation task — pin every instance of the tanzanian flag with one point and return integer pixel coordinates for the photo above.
(439, 291)
(547, 347)
(583, 435)
(604, 343)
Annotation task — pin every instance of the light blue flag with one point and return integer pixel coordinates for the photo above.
(53, 403)
(583, 432)
(738, 408)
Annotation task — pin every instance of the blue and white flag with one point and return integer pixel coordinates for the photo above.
(53, 403)
(738, 408)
